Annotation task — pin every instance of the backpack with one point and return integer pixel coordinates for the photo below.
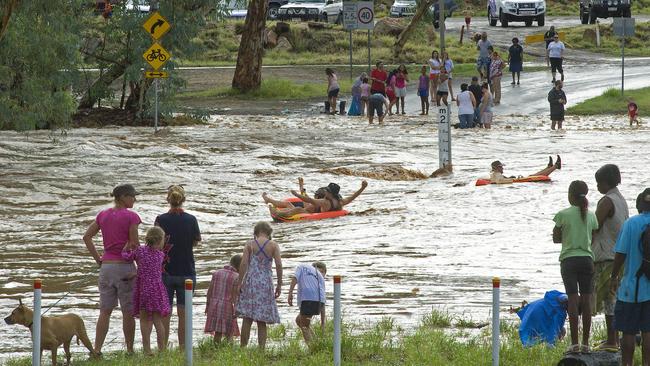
(644, 268)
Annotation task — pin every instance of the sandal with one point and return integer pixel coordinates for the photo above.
(574, 348)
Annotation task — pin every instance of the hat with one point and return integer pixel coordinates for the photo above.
(496, 164)
(124, 190)
(643, 201)
(334, 189)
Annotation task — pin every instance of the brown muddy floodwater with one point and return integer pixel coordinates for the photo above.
(410, 245)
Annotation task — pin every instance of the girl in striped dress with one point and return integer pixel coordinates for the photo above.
(220, 305)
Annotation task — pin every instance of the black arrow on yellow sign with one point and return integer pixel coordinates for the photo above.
(155, 25)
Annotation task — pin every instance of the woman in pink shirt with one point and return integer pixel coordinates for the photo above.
(401, 80)
(119, 227)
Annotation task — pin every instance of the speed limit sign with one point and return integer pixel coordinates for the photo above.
(365, 15)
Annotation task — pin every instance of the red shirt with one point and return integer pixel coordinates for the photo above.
(379, 75)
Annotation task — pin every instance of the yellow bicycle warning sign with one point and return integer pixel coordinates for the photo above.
(156, 56)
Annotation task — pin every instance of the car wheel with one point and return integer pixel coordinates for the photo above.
(592, 16)
(339, 19)
(272, 12)
(540, 21)
(627, 13)
(528, 23)
(322, 18)
(491, 20)
(502, 18)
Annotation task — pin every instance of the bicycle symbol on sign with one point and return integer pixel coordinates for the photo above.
(156, 54)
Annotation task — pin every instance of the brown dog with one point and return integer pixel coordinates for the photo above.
(55, 330)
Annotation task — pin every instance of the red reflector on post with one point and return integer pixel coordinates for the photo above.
(337, 279)
(496, 282)
(188, 284)
(37, 284)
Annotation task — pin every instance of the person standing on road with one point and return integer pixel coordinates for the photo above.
(448, 65)
(486, 106)
(515, 59)
(332, 88)
(555, 54)
(183, 235)
(548, 36)
(423, 91)
(434, 73)
(401, 80)
(378, 77)
(483, 60)
(632, 311)
(466, 104)
(557, 100)
(611, 213)
(475, 88)
(496, 72)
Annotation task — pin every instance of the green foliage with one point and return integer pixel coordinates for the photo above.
(609, 43)
(38, 59)
(611, 102)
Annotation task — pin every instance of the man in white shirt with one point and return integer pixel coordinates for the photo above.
(483, 60)
(311, 296)
(554, 54)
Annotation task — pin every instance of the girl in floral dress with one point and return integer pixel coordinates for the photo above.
(150, 301)
(220, 304)
(257, 298)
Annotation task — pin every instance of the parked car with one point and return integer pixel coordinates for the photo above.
(333, 12)
(403, 8)
(592, 9)
(142, 6)
(450, 6)
(302, 10)
(237, 9)
(273, 7)
(526, 11)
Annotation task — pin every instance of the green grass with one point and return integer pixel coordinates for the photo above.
(611, 102)
(382, 343)
(610, 44)
(272, 89)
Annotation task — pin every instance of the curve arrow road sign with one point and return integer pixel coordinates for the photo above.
(156, 25)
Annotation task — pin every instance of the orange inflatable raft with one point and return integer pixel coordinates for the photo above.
(532, 178)
(306, 216)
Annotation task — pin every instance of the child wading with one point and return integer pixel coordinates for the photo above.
(220, 304)
(257, 297)
(150, 300)
(423, 91)
(311, 296)
(573, 228)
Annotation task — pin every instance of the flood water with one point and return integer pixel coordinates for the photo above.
(409, 246)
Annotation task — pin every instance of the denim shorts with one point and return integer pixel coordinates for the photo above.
(630, 318)
(176, 284)
(577, 274)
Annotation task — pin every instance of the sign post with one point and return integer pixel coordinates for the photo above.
(156, 55)
(444, 138)
(623, 28)
(358, 15)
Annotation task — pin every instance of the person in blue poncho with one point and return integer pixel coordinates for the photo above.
(543, 320)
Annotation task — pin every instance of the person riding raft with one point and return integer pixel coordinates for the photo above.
(325, 199)
(496, 175)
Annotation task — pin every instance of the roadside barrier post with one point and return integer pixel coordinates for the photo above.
(188, 322)
(36, 324)
(337, 320)
(496, 283)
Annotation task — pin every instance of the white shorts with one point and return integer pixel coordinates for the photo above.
(486, 117)
(400, 92)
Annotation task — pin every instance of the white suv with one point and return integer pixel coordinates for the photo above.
(525, 11)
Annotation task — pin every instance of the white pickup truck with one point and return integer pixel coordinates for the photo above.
(526, 11)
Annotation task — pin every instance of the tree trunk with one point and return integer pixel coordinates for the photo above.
(8, 8)
(248, 73)
(90, 97)
(423, 6)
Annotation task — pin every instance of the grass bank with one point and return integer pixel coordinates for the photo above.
(440, 339)
(611, 102)
(578, 37)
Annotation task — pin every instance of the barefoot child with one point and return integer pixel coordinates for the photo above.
(311, 296)
(365, 94)
(257, 297)
(423, 91)
(150, 301)
(573, 228)
(220, 304)
(632, 111)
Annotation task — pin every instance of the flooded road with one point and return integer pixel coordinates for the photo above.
(408, 246)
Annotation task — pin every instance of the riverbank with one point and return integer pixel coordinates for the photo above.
(434, 342)
(613, 103)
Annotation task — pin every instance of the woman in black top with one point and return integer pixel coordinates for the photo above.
(557, 100)
(183, 235)
(515, 59)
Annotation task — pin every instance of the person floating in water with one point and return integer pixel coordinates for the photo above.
(496, 175)
(325, 199)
